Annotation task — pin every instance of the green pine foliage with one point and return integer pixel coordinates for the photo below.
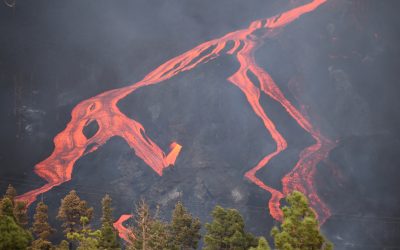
(64, 245)
(158, 235)
(11, 193)
(6, 207)
(299, 229)
(71, 210)
(109, 236)
(40, 244)
(226, 231)
(19, 207)
(41, 228)
(262, 245)
(86, 238)
(150, 233)
(141, 229)
(12, 236)
(20, 213)
(184, 230)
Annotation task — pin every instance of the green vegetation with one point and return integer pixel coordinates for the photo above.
(12, 234)
(150, 232)
(41, 228)
(86, 238)
(108, 235)
(226, 231)
(262, 245)
(184, 230)
(71, 210)
(299, 229)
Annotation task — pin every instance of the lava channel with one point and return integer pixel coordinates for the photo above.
(71, 143)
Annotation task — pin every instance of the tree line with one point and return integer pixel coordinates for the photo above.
(299, 229)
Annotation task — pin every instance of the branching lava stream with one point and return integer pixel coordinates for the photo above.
(71, 144)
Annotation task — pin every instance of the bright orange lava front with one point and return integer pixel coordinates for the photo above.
(124, 232)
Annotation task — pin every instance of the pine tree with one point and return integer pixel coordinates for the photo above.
(184, 231)
(142, 228)
(71, 210)
(86, 238)
(64, 245)
(299, 228)
(19, 207)
(21, 213)
(41, 228)
(11, 193)
(12, 236)
(109, 236)
(150, 233)
(106, 209)
(158, 235)
(40, 244)
(6, 207)
(262, 245)
(226, 231)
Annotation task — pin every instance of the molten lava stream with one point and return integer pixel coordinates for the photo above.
(71, 144)
(123, 232)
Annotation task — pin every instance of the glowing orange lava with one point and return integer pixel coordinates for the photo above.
(71, 144)
(123, 232)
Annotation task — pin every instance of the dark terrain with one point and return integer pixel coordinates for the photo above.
(344, 58)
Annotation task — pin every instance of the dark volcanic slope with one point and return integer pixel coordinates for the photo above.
(343, 58)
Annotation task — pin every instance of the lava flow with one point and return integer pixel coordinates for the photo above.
(71, 144)
(123, 232)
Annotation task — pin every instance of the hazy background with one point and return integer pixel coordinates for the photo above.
(343, 58)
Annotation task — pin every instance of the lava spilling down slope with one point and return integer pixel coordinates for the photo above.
(71, 144)
(123, 232)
